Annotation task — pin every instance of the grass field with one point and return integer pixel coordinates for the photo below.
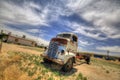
(19, 62)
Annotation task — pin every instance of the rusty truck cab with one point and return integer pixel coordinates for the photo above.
(72, 41)
(62, 50)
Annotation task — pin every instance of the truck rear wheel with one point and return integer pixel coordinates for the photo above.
(68, 66)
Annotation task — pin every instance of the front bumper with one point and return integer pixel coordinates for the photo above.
(58, 61)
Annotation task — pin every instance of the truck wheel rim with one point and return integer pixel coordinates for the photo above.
(69, 64)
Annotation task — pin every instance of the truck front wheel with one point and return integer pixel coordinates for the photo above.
(46, 60)
(68, 66)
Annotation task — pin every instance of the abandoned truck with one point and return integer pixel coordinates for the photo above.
(62, 50)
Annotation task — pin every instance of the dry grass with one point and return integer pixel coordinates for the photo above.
(24, 63)
(12, 73)
(19, 48)
(24, 66)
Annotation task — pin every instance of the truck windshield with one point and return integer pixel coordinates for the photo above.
(64, 35)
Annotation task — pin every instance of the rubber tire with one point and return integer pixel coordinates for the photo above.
(46, 60)
(68, 66)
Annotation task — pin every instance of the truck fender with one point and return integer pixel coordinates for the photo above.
(67, 57)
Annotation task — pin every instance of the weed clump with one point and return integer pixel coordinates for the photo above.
(80, 77)
(107, 71)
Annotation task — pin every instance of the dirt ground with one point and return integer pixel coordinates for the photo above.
(92, 71)
(98, 73)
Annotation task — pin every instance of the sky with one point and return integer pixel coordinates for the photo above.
(96, 22)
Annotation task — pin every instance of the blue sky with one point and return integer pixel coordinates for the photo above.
(96, 22)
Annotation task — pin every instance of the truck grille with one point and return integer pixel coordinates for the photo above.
(52, 50)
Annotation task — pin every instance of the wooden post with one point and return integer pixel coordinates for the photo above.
(1, 43)
(108, 53)
(1, 46)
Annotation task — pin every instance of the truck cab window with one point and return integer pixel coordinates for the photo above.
(74, 38)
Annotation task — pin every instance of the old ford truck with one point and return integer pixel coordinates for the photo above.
(62, 50)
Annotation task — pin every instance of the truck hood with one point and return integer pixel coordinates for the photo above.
(60, 40)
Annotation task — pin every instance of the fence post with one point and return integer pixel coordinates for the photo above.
(1, 42)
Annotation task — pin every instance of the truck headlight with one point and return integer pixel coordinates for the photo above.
(62, 52)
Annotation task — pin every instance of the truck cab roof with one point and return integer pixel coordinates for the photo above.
(67, 35)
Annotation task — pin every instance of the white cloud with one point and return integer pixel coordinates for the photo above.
(110, 48)
(22, 14)
(104, 14)
(33, 5)
(84, 43)
(105, 17)
(104, 22)
(76, 5)
(33, 30)
(85, 30)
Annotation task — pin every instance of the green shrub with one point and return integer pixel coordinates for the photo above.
(80, 77)
(51, 78)
(38, 78)
(30, 73)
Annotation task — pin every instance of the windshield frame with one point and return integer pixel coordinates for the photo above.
(64, 35)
